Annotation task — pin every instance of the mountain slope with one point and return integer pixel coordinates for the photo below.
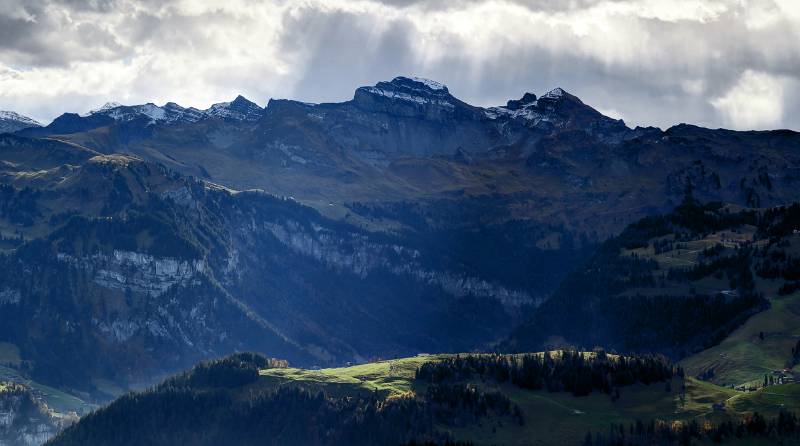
(116, 255)
(555, 159)
(11, 122)
(470, 399)
(759, 347)
(676, 283)
(25, 421)
(436, 225)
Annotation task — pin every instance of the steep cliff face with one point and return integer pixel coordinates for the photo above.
(349, 294)
(24, 421)
(155, 271)
(137, 272)
(356, 253)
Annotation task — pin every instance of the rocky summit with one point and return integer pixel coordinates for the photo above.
(11, 122)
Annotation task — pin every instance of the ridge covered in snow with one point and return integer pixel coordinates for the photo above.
(433, 85)
(425, 97)
(238, 109)
(12, 121)
(529, 107)
(555, 93)
(14, 116)
(412, 89)
(107, 106)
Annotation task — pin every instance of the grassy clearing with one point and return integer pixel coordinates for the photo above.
(769, 400)
(744, 357)
(686, 253)
(57, 400)
(561, 416)
(549, 416)
(763, 343)
(388, 378)
(565, 418)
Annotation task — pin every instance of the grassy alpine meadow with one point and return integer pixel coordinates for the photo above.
(59, 401)
(548, 416)
(763, 344)
(387, 378)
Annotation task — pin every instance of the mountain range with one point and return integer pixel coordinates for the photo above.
(11, 122)
(138, 240)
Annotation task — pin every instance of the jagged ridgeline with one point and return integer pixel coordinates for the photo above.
(246, 399)
(674, 284)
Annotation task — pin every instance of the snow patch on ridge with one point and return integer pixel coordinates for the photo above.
(555, 93)
(106, 107)
(240, 109)
(531, 110)
(399, 95)
(433, 85)
(14, 116)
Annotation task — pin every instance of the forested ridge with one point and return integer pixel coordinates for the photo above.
(635, 294)
(783, 429)
(225, 401)
(569, 371)
(220, 402)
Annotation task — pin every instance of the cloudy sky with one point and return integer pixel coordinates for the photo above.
(718, 63)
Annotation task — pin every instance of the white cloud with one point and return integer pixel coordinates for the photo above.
(655, 62)
(754, 102)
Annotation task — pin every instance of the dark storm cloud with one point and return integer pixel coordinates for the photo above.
(711, 62)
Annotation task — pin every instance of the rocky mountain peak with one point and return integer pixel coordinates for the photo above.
(240, 108)
(243, 101)
(408, 96)
(106, 107)
(419, 83)
(516, 104)
(407, 88)
(558, 95)
(12, 121)
(556, 109)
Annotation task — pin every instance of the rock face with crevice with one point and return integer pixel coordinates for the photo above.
(24, 421)
(125, 270)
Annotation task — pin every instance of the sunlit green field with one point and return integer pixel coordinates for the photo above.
(549, 416)
(57, 400)
(388, 378)
(744, 357)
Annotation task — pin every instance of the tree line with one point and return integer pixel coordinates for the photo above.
(569, 371)
(783, 429)
(221, 402)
